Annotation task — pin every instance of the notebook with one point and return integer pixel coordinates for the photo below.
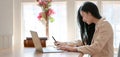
(39, 47)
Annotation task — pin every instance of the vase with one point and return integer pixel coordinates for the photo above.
(43, 21)
(47, 28)
(46, 24)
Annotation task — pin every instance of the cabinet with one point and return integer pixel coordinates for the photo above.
(29, 43)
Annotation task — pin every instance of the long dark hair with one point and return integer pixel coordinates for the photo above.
(86, 30)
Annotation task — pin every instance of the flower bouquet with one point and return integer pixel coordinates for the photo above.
(46, 13)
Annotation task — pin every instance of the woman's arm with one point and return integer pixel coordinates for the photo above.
(75, 43)
(72, 44)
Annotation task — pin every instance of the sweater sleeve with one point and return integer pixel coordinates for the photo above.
(75, 43)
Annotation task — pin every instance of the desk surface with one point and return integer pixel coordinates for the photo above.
(30, 52)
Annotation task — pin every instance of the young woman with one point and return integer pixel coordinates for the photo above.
(102, 41)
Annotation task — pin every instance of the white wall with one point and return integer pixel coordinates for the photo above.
(10, 22)
(6, 19)
(17, 22)
(71, 20)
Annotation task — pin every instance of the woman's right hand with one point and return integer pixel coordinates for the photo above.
(57, 43)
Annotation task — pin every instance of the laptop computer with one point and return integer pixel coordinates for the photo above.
(39, 47)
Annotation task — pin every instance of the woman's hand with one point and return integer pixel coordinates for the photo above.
(57, 43)
(64, 46)
(68, 48)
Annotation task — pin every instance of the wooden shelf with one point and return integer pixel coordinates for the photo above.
(29, 43)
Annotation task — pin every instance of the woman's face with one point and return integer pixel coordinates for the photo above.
(86, 17)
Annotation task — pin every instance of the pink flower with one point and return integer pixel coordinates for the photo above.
(39, 16)
(50, 11)
(42, 3)
(49, 0)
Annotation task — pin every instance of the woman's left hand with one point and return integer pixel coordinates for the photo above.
(68, 48)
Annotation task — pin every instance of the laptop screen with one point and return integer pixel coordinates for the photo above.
(36, 41)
